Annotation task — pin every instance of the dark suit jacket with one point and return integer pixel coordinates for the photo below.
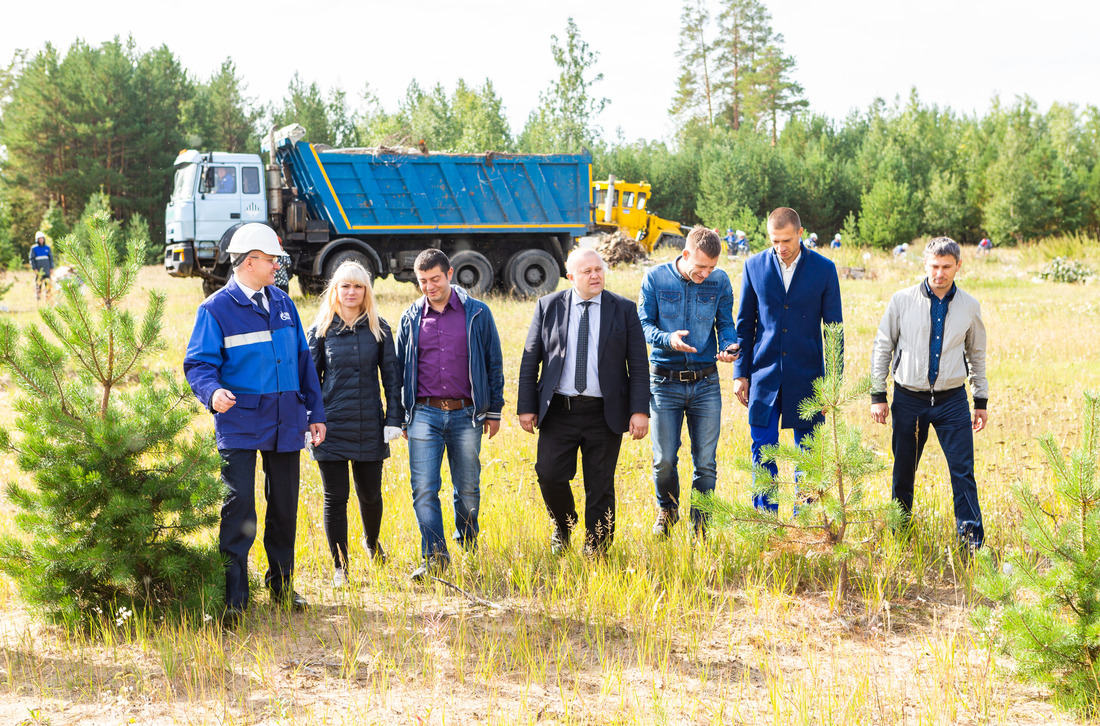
(624, 375)
(780, 332)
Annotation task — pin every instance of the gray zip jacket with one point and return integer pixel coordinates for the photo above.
(901, 345)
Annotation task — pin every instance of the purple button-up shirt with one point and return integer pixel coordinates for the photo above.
(443, 358)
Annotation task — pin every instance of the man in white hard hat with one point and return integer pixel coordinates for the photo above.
(41, 259)
(249, 364)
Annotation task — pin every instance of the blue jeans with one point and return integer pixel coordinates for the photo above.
(951, 419)
(769, 436)
(431, 431)
(670, 402)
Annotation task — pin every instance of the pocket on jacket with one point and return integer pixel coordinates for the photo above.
(241, 418)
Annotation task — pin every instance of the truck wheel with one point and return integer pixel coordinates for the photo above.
(532, 273)
(349, 256)
(311, 286)
(472, 271)
(209, 287)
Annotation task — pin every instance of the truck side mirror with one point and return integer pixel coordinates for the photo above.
(207, 182)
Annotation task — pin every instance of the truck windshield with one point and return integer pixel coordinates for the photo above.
(185, 182)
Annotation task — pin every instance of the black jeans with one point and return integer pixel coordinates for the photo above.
(950, 416)
(368, 487)
(561, 433)
(238, 525)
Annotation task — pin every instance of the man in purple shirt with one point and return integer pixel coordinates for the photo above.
(453, 394)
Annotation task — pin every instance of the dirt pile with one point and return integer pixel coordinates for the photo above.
(619, 248)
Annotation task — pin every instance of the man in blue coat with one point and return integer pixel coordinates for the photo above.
(249, 364)
(787, 294)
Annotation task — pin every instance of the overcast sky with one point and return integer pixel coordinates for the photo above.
(957, 53)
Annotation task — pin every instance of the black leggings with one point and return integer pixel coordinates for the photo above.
(368, 487)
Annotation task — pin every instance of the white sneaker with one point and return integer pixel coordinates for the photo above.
(340, 578)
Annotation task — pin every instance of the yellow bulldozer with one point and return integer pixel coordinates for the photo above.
(622, 206)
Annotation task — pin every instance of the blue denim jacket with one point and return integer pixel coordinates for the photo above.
(670, 302)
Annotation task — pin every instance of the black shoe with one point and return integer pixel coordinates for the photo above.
(376, 553)
(469, 544)
(291, 600)
(593, 551)
(968, 551)
(665, 519)
(428, 568)
(558, 544)
(232, 618)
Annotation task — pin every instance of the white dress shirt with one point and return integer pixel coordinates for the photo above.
(788, 272)
(249, 292)
(567, 382)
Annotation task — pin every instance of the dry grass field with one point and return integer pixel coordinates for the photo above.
(660, 632)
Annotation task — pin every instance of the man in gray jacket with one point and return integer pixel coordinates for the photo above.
(932, 340)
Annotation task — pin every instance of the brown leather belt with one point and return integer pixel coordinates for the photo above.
(446, 404)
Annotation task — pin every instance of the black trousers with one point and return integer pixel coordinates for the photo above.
(368, 488)
(238, 525)
(566, 428)
(950, 417)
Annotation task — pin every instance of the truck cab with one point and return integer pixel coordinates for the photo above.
(211, 193)
(620, 205)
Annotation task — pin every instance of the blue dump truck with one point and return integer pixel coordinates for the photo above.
(505, 220)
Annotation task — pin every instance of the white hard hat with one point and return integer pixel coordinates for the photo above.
(905, 245)
(837, 235)
(813, 236)
(255, 236)
(39, 235)
(740, 233)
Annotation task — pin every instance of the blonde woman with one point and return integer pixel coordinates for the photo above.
(352, 348)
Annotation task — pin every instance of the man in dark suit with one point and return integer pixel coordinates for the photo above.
(787, 293)
(592, 388)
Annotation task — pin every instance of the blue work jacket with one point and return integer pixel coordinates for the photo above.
(262, 360)
(670, 302)
(780, 332)
(483, 350)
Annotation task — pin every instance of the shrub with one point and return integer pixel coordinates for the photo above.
(1063, 269)
(1046, 611)
(123, 500)
(835, 464)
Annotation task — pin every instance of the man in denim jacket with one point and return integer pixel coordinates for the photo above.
(686, 309)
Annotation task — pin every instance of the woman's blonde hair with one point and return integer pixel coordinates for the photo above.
(353, 272)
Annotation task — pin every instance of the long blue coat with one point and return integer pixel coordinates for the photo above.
(780, 332)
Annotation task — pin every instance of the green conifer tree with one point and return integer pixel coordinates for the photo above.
(818, 512)
(1047, 595)
(122, 499)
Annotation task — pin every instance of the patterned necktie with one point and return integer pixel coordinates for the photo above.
(258, 298)
(582, 350)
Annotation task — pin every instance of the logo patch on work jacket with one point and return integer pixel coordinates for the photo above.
(284, 315)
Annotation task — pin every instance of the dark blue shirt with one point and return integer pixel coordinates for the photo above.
(935, 339)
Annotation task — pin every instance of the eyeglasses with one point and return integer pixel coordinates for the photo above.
(272, 260)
